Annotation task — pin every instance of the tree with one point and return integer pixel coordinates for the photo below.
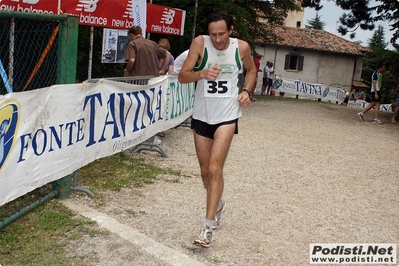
(364, 14)
(377, 41)
(249, 17)
(316, 23)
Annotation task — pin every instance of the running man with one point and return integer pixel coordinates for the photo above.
(213, 62)
(376, 85)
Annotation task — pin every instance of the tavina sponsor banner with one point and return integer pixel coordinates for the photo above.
(49, 133)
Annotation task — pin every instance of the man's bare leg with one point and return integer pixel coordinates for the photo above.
(211, 156)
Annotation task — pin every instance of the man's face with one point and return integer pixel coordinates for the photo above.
(219, 34)
(132, 36)
(382, 69)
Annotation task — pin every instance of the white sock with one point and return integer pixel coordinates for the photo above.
(208, 223)
(220, 204)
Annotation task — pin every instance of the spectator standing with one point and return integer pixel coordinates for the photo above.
(164, 43)
(353, 95)
(142, 56)
(396, 112)
(270, 77)
(346, 100)
(257, 66)
(264, 80)
(360, 96)
(212, 64)
(376, 85)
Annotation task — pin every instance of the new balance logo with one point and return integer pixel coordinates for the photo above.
(129, 10)
(168, 16)
(87, 5)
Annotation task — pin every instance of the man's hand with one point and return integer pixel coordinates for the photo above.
(243, 99)
(211, 73)
(125, 73)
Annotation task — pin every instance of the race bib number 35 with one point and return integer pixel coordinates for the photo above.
(217, 88)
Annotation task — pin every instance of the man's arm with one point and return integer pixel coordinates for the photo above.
(375, 89)
(129, 66)
(186, 74)
(250, 77)
(130, 57)
(165, 64)
(374, 84)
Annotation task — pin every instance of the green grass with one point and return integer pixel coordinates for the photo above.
(119, 171)
(41, 237)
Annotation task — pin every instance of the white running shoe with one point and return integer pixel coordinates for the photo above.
(361, 116)
(205, 238)
(218, 217)
(157, 140)
(377, 121)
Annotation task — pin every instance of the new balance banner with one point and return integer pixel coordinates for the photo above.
(165, 20)
(30, 6)
(116, 14)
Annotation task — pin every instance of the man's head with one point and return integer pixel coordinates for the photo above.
(381, 67)
(220, 26)
(135, 31)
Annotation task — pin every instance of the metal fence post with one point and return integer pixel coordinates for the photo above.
(68, 50)
(67, 60)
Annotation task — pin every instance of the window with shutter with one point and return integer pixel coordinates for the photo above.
(293, 62)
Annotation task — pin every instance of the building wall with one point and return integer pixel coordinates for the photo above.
(330, 69)
(294, 17)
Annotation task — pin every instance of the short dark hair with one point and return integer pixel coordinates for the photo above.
(221, 15)
(135, 30)
(380, 65)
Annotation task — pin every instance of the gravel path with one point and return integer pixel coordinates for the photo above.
(297, 173)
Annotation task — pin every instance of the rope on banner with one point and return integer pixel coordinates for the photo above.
(44, 54)
(5, 78)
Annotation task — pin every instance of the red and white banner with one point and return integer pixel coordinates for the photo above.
(165, 20)
(115, 14)
(30, 6)
(112, 14)
(104, 13)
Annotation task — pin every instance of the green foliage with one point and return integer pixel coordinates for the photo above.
(364, 14)
(377, 41)
(316, 23)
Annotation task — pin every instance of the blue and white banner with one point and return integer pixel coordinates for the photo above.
(49, 133)
(363, 104)
(309, 90)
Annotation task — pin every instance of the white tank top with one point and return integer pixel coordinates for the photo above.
(216, 100)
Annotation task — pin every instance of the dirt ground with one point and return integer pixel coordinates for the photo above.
(297, 173)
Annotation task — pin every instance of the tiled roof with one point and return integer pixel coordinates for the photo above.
(359, 84)
(312, 39)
